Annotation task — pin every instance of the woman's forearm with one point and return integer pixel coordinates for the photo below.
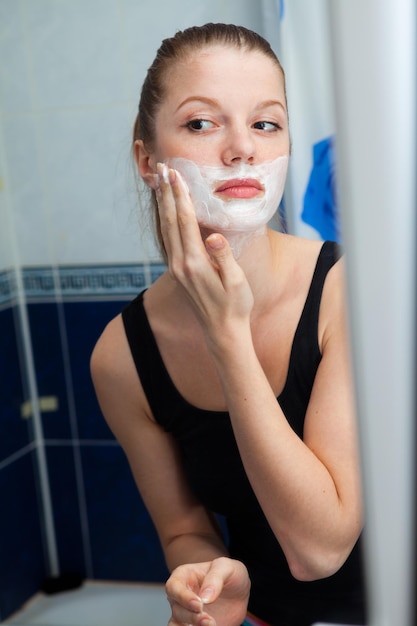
(298, 494)
(193, 548)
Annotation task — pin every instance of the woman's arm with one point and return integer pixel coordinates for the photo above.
(309, 489)
(187, 531)
(183, 524)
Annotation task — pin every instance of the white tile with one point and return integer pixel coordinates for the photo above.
(92, 198)
(15, 85)
(98, 604)
(244, 13)
(6, 254)
(26, 191)
(6, 259)
(76, 52)
(143, 33)
(72, 194)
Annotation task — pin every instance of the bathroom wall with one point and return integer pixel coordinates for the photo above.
(21, 542)
(72, 253)
(21, 538)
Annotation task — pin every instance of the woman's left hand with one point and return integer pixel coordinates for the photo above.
(209, 274)
(214, 593)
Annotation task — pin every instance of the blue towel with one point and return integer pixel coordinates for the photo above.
(320, 200)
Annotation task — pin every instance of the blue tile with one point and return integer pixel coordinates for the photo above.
(124, 542)
(49, 366)
(22, 566)
(66, 510)
(14, 432)
(85, 321)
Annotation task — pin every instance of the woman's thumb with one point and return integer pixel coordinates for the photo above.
(218, 248)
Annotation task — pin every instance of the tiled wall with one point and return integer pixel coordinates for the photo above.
(101, 526)
(22, 563)
(68, 98)
(69, 94)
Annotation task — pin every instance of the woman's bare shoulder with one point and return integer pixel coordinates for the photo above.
(295, 261)
(301, 247)
(111, 348)
(112, 351)
(114, 374)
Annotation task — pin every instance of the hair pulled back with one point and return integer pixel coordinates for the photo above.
(178, 48)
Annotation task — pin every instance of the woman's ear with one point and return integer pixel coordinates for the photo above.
(145, 163)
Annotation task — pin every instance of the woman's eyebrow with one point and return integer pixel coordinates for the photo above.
(202, 99)
(271, 103)
(214, 103)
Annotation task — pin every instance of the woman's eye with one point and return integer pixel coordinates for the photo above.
(199, 125)
(267, 126)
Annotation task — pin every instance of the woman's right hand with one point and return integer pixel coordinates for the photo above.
(213, 281)
(214, 593)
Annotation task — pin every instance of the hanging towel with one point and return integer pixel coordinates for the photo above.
(320, 199)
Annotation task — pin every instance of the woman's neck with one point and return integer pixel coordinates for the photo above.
(260, 259)
(258, 253)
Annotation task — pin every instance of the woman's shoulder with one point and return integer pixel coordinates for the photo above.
(115, 377)
(297, 246)
(295, 260)
(111, 349)
(305, 254)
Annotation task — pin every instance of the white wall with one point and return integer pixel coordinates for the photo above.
(71, 72)
(5, 250)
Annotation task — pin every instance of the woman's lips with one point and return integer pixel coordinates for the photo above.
(240, 188)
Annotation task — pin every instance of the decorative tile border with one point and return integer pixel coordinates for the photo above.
(8, 287)
(79, 282)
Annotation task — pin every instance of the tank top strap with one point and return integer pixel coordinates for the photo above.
(330, 252)
(305, 352)
(164, 399)
(154, 377)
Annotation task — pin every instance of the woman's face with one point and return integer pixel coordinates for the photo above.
(223, 107)
(223, 126)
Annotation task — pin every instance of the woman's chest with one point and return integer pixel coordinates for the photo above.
(192, 369)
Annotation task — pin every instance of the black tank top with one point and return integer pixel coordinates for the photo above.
(217, 477)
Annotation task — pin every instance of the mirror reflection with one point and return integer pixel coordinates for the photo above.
(281, 476)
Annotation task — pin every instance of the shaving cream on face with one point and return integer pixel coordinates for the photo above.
(230, 214)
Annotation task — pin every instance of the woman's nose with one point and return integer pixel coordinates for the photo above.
(239, 147)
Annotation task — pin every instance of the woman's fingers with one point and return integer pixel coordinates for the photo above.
(220, 252)
(176, 209)
(182, 616)
(202, 593)
(209, 274)
(187, 221)
(186, 606)
(220, 572)
(231, 274)
(167, 212)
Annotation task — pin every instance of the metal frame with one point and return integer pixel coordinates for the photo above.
(374, 50)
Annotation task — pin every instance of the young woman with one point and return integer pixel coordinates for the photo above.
(227, 382)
